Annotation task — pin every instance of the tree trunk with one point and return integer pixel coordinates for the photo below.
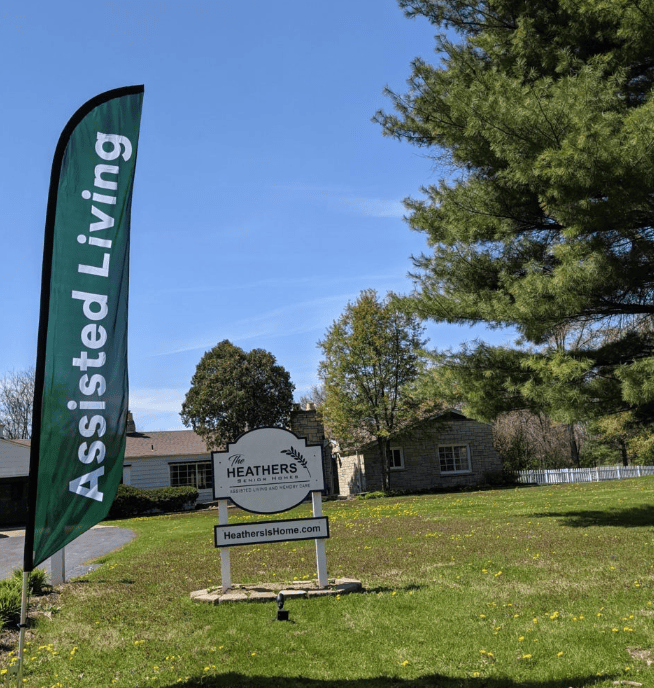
(383, 449)
(623, 451)
(574, 447)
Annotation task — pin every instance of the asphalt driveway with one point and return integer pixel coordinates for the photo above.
(90, 545)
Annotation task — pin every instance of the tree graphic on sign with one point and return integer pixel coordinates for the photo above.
(298, 457)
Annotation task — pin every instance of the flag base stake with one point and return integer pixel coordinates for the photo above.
(22, 626)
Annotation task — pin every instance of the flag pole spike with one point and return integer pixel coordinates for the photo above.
(22, 627)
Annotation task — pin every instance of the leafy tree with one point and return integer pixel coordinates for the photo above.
(233, 391)
(16, 401)
(543, 112)
(372, 353)
(532, 440)
(625, 436)
(315, 396)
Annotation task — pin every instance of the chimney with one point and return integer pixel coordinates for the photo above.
(130, 425)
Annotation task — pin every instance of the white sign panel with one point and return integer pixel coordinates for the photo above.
(268, 470)
(263, 532)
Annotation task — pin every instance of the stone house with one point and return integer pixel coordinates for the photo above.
(445, 450)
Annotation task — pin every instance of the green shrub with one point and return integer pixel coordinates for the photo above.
(173, 498)
(374, 495)
(36, 581)
(10, 598)
(131, 501)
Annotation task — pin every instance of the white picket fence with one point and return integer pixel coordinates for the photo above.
(583, 475)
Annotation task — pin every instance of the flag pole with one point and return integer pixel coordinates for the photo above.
(22, 626)
(39, 374)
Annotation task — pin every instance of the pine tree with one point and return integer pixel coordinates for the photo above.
(543, 112)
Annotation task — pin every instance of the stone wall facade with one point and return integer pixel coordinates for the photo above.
(306, 424)
(421, 467)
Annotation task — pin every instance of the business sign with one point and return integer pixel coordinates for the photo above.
(268, 470)
(263, 532)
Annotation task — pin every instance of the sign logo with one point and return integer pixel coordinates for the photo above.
(268, 470)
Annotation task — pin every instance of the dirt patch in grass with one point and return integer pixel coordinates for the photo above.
(646, 656)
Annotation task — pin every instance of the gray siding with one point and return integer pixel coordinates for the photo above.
(150, 472)
(14, 459)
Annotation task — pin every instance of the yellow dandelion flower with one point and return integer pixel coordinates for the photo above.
(559, 654)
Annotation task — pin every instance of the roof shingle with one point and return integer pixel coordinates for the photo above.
(164, 443)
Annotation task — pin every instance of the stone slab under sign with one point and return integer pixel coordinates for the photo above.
(257, 596)
(232, 597)
(205, 597)
(345, 586)
(290, 594)
(321, 593)
(267, 592)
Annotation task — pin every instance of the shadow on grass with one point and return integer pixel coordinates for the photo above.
(234, 680)
(395, 588)
(634, 517)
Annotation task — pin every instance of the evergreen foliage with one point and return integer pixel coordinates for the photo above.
(543, 112)
(233, 391)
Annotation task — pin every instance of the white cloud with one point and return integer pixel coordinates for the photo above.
(376, 207)
(147, 404)
(348, 200)
(294, 319)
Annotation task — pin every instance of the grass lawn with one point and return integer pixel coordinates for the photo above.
(543, 587)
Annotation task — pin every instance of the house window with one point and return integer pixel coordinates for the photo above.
(454, 458)
(197, 474)
(395, 458)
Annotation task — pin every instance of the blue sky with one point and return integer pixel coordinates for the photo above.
(265, 198)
